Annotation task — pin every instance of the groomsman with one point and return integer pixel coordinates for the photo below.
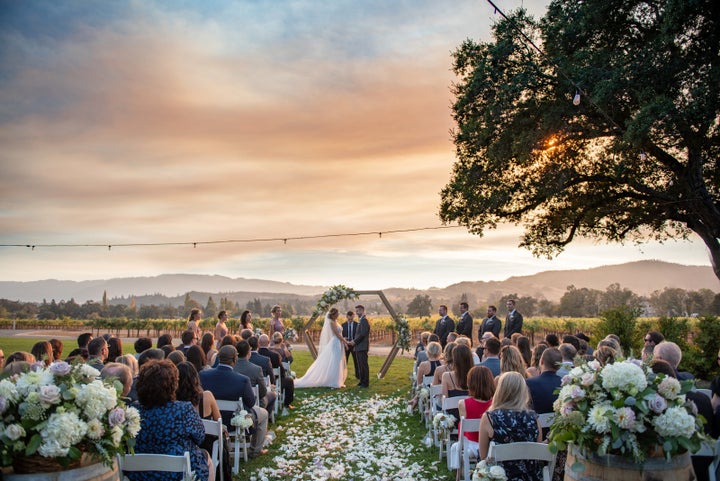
(444, 326)
(491, 323)
(465, 324)
(514, 320)
(361, 343)
(349, 328)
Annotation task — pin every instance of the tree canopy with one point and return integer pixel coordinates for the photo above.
(636, 159)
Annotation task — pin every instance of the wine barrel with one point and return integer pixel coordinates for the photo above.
(91, 472)
(618, 468)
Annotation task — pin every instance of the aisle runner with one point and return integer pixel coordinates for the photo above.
(341, 436)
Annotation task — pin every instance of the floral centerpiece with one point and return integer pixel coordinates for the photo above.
(332, 296)
(488, 472)
(61, 412)
(242, 420)
(624, 409)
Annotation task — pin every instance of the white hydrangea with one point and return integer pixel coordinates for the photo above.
(96, 399)
(95, 429)
(32, 381)
(64, 428)
(625, 376)
(52, 449)
(14, 432)
(675, 421)
(9, 391)
(132, 419)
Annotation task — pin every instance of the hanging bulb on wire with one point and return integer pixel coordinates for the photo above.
(643, 155)
(576, 99)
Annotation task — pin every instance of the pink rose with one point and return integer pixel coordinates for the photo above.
(49, 394)
(116, 417)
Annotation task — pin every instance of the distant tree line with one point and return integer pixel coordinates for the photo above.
(576, 302)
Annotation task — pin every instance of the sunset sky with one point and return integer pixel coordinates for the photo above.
(184, 121)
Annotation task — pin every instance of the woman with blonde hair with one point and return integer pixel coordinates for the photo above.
(509, 420)
(276, 324)
(427, 368)
(446, 363)
(512, 360)
(130, 361)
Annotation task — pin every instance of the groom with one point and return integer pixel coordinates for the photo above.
(361, 344)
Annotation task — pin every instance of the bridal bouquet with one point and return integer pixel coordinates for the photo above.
(625, 409)
(488, 472)
(62, 411)
(290, 335)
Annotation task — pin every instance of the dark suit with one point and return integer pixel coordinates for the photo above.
(288, 385)
(513, 323)
(542, 390)
(443, 327)
(348, 332)
(490, 324)
(229, 385)
(465, 325)
(492, 363)
(265, 363)
(255, 374)
(362, 345)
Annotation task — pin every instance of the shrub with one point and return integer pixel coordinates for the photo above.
(621, 321)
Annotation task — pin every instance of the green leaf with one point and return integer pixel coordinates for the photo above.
(74, 453)
(33, 445)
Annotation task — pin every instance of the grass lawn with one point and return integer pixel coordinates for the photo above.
(350, 434)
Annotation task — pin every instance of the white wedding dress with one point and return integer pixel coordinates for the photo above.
(330, 367)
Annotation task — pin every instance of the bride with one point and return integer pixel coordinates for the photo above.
(330, 367)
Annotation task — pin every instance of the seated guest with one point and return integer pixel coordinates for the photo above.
(583, 337)
(454, 383)
(167, 426)
(176, 357)
(542, 388)
(465, 341)
(508, 421)
(42, 350)
(57, 348)
(523, 345)
(481, 387)
(114, 349)
(188, 339)
(427, 368)
(207, 343)
(97, 353)
(280, 346)
(164, 340)
(670, 352)
(480, 351)
(263, 361)
(83, 340)
(568, 352)
(422, 355)
(512, 360)
(422, 343)
(167, 349)
(446, 363)
(189, 389)
(150, 354)
(141, 344)
(121, 372)
(534, 369)
(196, 356)
(20, 356)
(605, 355)
(226, 384)
(552, 340)
(255, 374)
(613, 341)
(492, 359)
(276, 360)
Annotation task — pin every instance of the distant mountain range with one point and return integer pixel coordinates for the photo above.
(642, 277)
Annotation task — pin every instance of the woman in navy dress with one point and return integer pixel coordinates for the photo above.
(167, 426)
(508, 421)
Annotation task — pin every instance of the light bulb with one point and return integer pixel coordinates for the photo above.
(576, 99)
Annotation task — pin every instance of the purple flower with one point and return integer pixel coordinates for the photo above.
(116, 417)
(60, 368)
(657, 404)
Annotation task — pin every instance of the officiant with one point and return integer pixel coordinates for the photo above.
(349, 327)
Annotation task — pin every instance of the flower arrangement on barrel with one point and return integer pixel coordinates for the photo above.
(54, 415)
(627, 410)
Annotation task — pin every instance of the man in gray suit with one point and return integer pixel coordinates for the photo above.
(361, 343)
(255, 373)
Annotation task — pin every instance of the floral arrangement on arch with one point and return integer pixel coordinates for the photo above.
(488, 472)
(63, 411)
(332, 296)
(443, 424)
(403, 329)
(625, 409)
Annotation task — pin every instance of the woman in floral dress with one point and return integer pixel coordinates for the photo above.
(509, 421)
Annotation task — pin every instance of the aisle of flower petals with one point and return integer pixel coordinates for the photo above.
(341, 436)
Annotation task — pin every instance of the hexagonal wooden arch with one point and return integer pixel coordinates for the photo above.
(393, 314)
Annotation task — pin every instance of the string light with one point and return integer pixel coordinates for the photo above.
(576, 99)
(284, 240)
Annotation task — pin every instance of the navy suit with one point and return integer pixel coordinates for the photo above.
(443, 327)
(465, 325)
(361, 343)
(542, 390)
(229, 385)
(287, 383)
(513, 323)
(492, 363)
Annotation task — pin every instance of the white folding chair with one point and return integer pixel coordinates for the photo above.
(238, 437)
(278, 389)
(467, 457)
(215, 428)
(422, 404)
(449, 403)
(155, 462)
(524, 451)
(434, 398)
